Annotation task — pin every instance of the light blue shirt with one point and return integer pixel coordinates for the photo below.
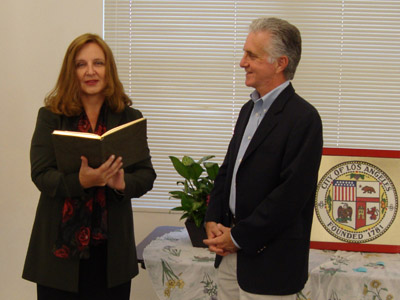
(261, 106)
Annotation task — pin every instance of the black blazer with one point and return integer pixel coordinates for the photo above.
(275, 189)
(41, 266)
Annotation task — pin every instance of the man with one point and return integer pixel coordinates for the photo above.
(260, 212)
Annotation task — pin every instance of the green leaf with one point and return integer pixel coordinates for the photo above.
(198, 221)
(196, 205)
(194, 171)
(187, 161)
(177, 194)
(179, 208)
(212, 169)
(205, 158)
(184, 216)
(187, 203)
(180, 167)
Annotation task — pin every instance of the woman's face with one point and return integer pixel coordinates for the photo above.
(90, 64)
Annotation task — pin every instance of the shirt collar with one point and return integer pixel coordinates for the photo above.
(271, 96)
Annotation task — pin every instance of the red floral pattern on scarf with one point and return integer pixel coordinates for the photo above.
(84, 219)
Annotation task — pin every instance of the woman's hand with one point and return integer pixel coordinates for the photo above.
(109, 173)
(117, 182)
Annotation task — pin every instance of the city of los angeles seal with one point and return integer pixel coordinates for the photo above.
(356, 202)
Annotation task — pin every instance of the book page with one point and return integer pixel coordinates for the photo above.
(122, 126)
(85, 135)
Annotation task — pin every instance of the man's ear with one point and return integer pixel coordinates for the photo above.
(281, 63)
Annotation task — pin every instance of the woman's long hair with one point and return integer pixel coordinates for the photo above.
(65, 96)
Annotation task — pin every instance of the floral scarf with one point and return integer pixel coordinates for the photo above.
(84, 219)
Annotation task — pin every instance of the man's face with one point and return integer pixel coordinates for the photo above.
(261, 73)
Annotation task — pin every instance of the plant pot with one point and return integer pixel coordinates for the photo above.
(196, 234)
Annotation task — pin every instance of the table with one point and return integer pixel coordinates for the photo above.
(157, 232)
(179, 271)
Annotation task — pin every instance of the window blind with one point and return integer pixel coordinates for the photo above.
(179, 63)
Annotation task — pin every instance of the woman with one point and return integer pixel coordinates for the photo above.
(82, 244)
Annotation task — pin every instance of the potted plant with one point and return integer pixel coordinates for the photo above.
(195, 193)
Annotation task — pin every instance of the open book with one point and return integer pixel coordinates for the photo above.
(128, 141)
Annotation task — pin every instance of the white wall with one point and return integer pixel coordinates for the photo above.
(33, 38)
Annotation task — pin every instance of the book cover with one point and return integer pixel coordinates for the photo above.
(128, 141)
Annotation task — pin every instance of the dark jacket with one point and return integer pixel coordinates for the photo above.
(41, 266)
(275, 190)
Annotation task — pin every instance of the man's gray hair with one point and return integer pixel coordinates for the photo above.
(286, 40)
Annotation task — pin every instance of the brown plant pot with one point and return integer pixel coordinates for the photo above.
(196, 234)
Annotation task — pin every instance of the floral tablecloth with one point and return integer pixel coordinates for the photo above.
(179, 271)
